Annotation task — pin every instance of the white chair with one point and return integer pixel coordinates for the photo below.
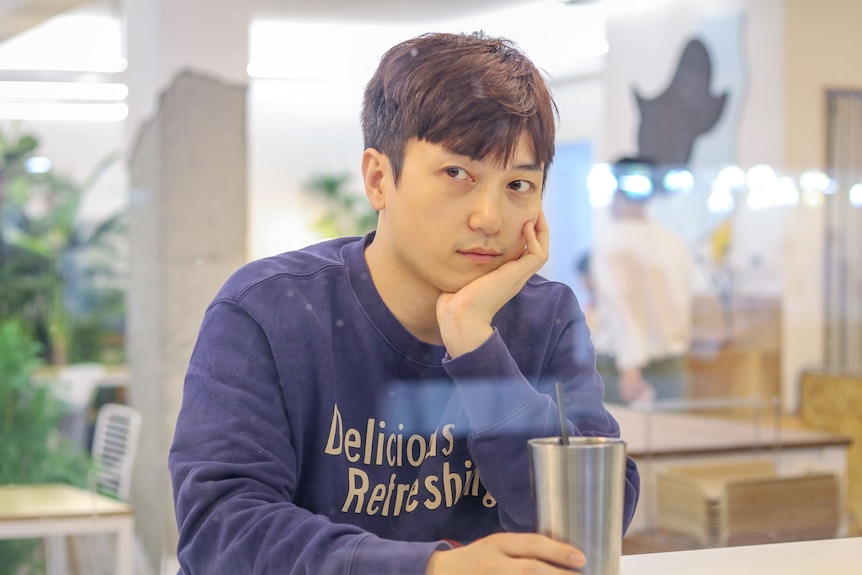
(115, 441)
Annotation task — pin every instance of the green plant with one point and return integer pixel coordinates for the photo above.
(59, 272)
(345, 213)
(13, 150)
(31, 449)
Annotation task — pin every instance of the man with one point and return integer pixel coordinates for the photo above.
(363, 406)
(641, 275)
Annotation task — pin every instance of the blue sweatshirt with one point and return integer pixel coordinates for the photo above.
(317, 435)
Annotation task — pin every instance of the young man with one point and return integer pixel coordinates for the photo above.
(642, 277)
(363, 406)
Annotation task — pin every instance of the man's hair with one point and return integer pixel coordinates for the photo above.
(470, 93)
(642, 168)
(631, 163)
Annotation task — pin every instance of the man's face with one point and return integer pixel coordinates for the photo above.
(452, 219)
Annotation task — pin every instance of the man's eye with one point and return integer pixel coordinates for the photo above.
(457, 173)
(521, 186)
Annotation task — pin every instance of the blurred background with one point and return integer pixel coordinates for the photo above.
(148, 148)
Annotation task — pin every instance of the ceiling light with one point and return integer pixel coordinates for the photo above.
(601, 183)
(856, 196)
(817, 181)
(62, 91)
(38, 165)
(67, 112)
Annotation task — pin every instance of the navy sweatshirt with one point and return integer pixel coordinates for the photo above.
(317, 435)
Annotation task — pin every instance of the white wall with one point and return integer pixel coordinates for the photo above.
(297, 130)
(582, 108)
(745, 41)
(645, 47)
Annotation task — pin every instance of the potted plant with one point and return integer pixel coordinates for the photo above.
(60, 273)
(61, 301)
(31, 448)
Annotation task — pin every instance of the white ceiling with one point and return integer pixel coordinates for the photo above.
(578, 30)
(19, 15)
(407, 11)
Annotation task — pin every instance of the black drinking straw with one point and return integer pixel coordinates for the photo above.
(564, 427)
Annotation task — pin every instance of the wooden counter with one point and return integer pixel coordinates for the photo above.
(658, 440)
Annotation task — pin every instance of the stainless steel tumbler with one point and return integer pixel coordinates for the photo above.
(579, 492)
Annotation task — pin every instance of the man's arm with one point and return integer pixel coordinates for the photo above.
(633, 386)
(505, 410)
(234, 471)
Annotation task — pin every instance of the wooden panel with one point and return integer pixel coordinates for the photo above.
(736, 350)
(833, 402)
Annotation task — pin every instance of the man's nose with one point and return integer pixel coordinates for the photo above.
(486, 212)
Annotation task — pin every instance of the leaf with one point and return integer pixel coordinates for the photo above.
(345, 212)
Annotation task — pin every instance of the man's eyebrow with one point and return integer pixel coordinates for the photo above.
(528, 167)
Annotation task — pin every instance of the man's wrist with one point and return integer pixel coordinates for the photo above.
(467, 340)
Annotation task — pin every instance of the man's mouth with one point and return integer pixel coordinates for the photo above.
(480, 255)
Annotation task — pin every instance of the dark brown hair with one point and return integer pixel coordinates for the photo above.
(471, 93)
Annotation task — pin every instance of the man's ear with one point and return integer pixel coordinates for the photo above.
(377, 175)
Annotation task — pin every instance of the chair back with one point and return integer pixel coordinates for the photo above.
(115, 441)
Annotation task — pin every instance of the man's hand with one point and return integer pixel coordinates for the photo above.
(633, 387)
(464, 317)
(508, 554)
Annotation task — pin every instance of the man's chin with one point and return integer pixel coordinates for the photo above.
(452, 285)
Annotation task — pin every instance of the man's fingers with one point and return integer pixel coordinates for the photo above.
(508, 554)
(534, 546)
(537, 236)
(541, 230)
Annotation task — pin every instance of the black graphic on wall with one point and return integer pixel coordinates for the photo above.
(672, 121)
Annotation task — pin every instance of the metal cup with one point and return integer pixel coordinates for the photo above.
(579, 491)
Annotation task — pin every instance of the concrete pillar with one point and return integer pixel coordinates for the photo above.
(187, 167)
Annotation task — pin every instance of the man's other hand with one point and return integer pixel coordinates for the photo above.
(508, 554)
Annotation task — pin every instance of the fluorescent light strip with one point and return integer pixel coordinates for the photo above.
(67, 112)
(71, 63)
(62, 91)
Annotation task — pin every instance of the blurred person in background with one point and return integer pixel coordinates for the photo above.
(641, 279)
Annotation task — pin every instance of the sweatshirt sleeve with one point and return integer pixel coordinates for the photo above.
(234, 472)
(505, 410)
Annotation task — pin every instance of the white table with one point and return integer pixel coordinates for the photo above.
(824, 557)
(55, 511)
(660, 440)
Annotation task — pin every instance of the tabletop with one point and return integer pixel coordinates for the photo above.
(54, 501)
(821, 557)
